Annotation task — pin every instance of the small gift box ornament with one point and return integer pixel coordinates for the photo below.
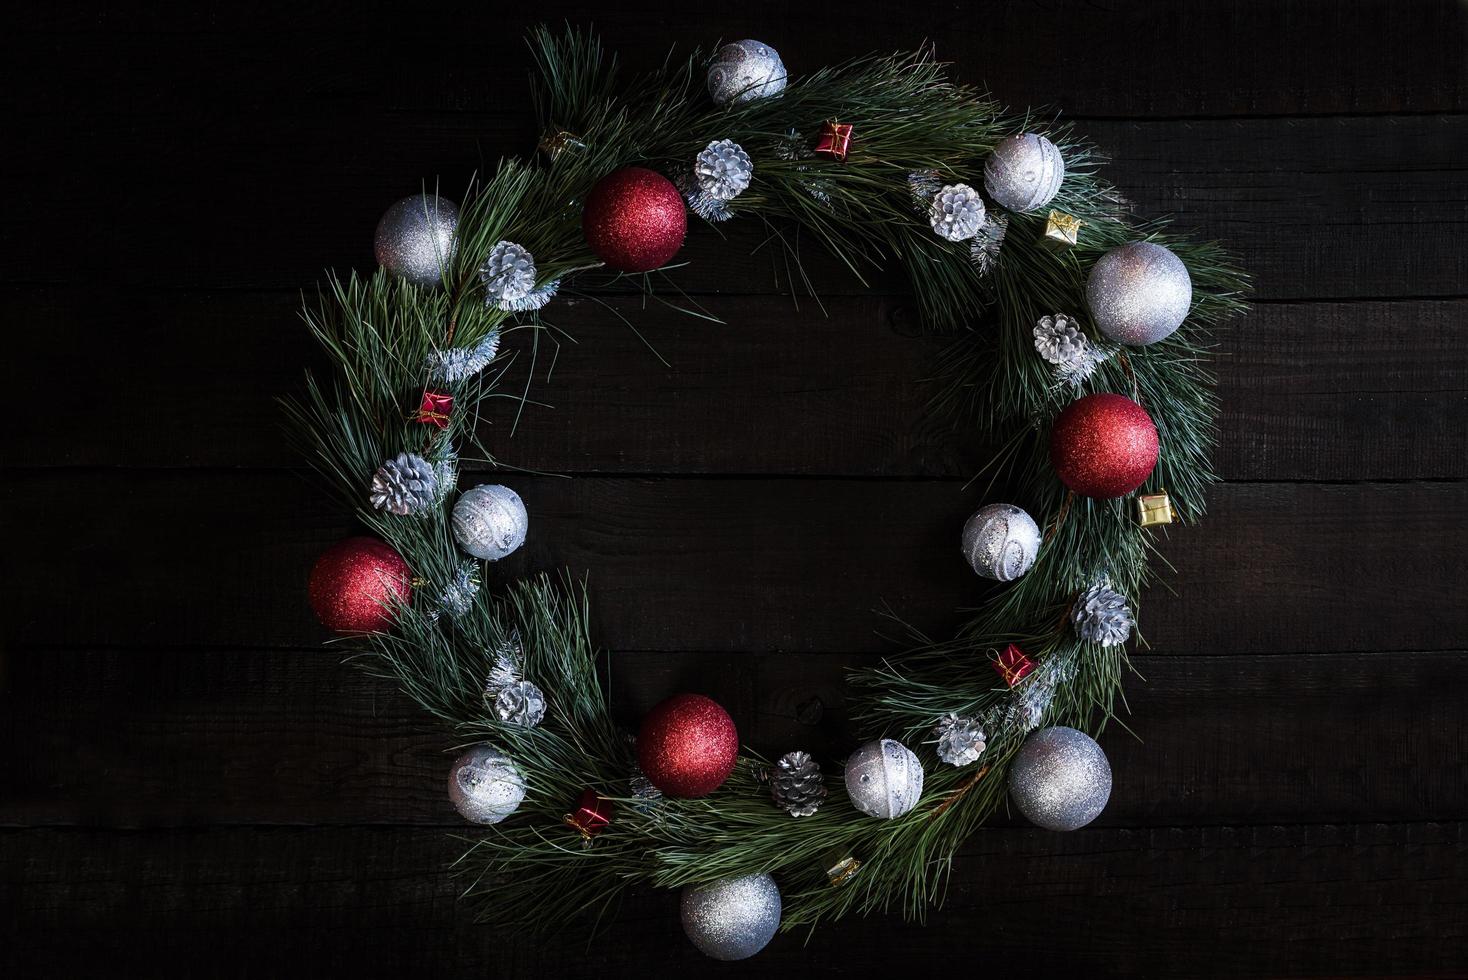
(435, 409)
(558, 141)
(1013, 664)
(835, 140)
(591, 816)
(839, 866)
(1154, 508)
(1061, 231)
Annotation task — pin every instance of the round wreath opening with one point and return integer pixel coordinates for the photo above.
(1080, 345)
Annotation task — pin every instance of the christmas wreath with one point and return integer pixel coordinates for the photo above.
(1079, 346)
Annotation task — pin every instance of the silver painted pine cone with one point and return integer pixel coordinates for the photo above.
(406, 484)
(957, 213)
(1101, 615)
(723, 170)
(960, 739)
(520, 703)
(796, 784)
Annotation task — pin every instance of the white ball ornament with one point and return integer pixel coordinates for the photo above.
(1060, 779)
(1001, 542)
(884, 779)
(490, 521)
(1139, 293)
(1024, 172)
(416, 238)
(731, 919)
(744, 71)
(484, 785)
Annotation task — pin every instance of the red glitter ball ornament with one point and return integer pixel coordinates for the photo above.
(355, 583)
(1103, 446)
(687, 745)
(634, 220)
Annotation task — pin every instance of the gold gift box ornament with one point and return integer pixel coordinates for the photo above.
(1153, 509)
(1061, 231)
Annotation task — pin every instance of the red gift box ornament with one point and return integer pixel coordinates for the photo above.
(591, 815)
(1013, 665)
(835, 140)
(435, 409)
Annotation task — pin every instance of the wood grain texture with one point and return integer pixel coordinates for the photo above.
(1323, 208)
(736, 565)
(1310, 391)
(195, 738)
(1135, 60)
(1190, 901)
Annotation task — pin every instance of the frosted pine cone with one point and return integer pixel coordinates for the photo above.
(723, 170)
(960, 739)
(1059, 340)
(404, 485)
(796, 784)
(520, 703)
(461, 363)
(508, 274)
(957, 212)
(1101, 615)
(793, 146)
(700, 202)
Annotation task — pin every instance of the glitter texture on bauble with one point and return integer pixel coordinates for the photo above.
(1139, 293)
(634, 220)
(356, 584)
(1103, 446)
(1060, 779)
(733, 918)
(687, 745)
(415, 239)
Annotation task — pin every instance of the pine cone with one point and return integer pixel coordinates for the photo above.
(1059, 339)
(508, 274)
(520, 703)
(796, 784)
(462, 363)
(960, 739)
(793, 146)
(404, 485)
(700, 202)
(1101, 615)
(723, 170)
(957, 212)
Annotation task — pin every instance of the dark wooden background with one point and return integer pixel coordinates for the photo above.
(190, 785)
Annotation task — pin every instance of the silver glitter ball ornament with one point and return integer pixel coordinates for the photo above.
(744, 71)
(1060, 779)
(484, 785)
(1139, 293)
(731, 919)
(416, 238)
(1024, 172)
(1001, 541)
(490, 521)
(884, 779)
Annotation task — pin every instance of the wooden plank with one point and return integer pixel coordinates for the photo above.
(199, 738)
(210, 559)
(1227, 902)
(1319, 208)
(1216, 58)
(1323, 391)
